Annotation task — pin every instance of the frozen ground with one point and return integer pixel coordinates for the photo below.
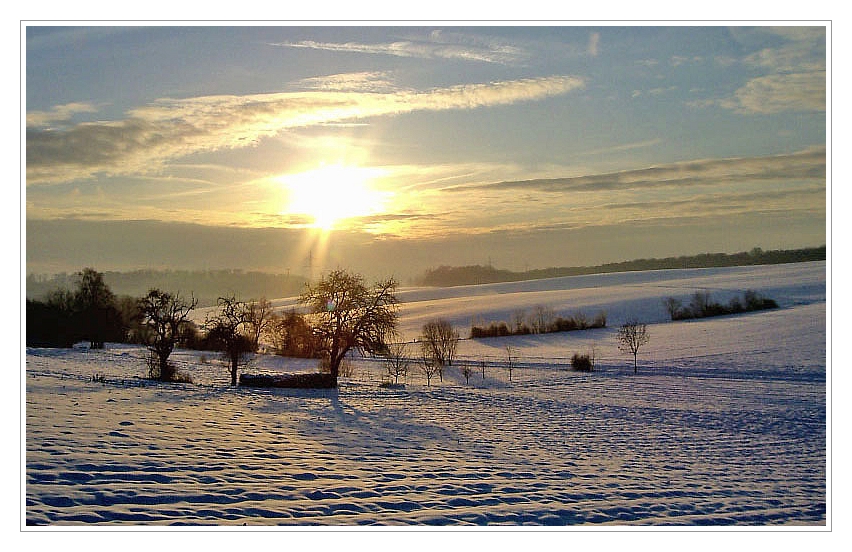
(725, 424)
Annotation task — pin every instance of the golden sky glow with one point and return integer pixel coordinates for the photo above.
(531, 145)
(331, 194)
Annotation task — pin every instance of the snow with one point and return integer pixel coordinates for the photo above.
(724, 424)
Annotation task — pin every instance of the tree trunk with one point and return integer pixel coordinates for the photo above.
(164, 368)
(634, 364)
(334, 368)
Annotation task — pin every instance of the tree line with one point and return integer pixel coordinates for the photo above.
(447, 276)
(206, 284)
(541, 320)
(702, 306)
(342, 313)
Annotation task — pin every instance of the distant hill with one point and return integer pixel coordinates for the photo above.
(447, 276)
(206, 285)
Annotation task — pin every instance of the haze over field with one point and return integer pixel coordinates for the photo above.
(389, 150)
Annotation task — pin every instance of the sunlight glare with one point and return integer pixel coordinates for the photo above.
(334, 193)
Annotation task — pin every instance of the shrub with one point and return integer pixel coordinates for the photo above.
(755, 301)
(292, 336)
(581, 363)
(493, 330)
(169, 375)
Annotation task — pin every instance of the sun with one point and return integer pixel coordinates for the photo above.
(333, 193)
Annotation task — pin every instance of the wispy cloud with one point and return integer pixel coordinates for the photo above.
(368, 81)
(438, 45)
(625, 147)
(795, 79)
(677, 61)
(594, 42)
(808, 164)
(172, 128)
(778, 93)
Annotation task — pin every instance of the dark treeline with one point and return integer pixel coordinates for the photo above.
(206, 285)
(542, 320)
(701, 306)
(88, 312)
(447, 276)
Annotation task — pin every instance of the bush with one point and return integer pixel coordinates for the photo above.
(169, 375)
(292, 336)
(581, 363)
(493, 330)
(755, 301)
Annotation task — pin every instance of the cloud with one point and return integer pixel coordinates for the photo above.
(780, 93)
(808, 164)
(367, 81)
(795, 78)
(625, 147)
(439, 45)
(594, 41)
(677, 61)
(61, 114)
(173, 128)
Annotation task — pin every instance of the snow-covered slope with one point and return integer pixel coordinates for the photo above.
(725, 423)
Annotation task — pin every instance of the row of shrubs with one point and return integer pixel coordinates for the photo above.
(578, 321)
(701, 306)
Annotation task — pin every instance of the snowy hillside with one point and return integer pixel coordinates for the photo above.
(725, 422)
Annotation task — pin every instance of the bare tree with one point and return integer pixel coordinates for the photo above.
(511, 359)
(346, 314)
(700, 303)
(673, 307)
(519, 318)
(228, 330)
(164, 315)
(541, 318)
(259, 319)
(428, 365)
(631, 336)
(466, 369)
(397, 361)
(442, 341)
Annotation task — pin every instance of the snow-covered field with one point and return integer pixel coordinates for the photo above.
(725, 423)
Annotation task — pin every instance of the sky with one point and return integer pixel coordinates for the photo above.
(392, 149)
